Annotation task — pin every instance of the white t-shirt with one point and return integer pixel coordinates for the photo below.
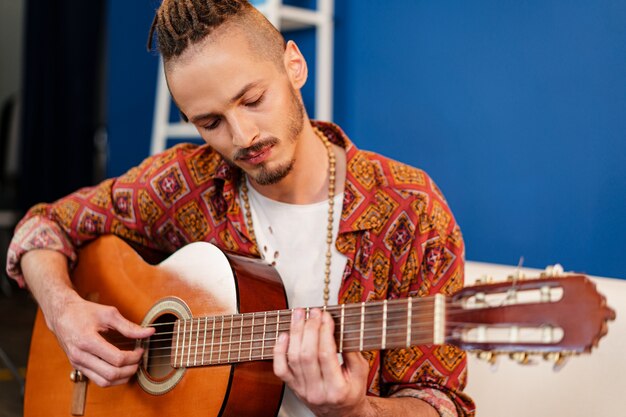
(293, 237)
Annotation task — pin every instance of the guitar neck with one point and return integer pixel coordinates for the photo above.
(387, 324)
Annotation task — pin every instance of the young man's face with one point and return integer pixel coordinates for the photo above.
(242, 104)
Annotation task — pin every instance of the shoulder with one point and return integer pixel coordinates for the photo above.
(378, 172)
(199, 161)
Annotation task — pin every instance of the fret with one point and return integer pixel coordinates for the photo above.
(204, 340)
(240, 338)
(362, 326)
(277, 322)
(219, 356)
(384, 336)
(230, 337)
(212, 341)
(342, 327)
(190, 343)
(195, 356)
(251, 337)
(263, 335)
(408, 321)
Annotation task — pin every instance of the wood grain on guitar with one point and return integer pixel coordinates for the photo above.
(218, 316)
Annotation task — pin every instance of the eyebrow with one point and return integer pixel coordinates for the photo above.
(235, 98)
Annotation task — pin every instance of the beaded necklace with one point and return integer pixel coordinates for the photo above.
(331, 202)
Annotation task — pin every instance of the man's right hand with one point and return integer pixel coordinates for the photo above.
(79, 324)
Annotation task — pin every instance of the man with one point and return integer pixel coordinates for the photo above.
(267, 184)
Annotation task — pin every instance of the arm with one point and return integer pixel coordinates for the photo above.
(130, 207)
(78, 324)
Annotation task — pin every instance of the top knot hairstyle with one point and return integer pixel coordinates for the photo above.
(178, 24)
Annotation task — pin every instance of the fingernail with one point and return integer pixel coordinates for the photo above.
(297, 315)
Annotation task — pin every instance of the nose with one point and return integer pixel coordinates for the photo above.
(244, 130)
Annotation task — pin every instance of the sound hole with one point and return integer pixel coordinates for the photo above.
(159, 351)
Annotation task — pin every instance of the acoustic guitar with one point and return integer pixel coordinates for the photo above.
(218, 315)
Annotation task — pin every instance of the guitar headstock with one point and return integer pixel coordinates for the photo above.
(553, 315)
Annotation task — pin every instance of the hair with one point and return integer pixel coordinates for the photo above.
(178, 24)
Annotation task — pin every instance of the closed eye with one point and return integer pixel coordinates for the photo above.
(255, 103)
(213, 124)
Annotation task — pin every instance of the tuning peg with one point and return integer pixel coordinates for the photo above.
(486, 356)
(553, 271)
(517, 276)
(490, 357)
(484, 279)
(521, 357)
(558, 358)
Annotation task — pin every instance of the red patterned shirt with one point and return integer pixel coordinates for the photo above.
(396, 230)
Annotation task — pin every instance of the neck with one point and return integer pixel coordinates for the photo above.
(365, 326)
(307, 182)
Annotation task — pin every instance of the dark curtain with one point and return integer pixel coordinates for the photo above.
(63, 97)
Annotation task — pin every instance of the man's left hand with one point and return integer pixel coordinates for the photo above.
(306, 359)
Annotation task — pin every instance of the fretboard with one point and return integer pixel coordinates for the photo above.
(216, 340)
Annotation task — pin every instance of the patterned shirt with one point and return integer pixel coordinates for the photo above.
(396, 229)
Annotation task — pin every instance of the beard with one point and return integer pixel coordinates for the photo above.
(265, 175)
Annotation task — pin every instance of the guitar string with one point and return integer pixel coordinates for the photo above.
(236, 345)
(272, 330)
(243, 322)
(234, 321)
(287, 314)
(244, 337)
(451, 310)
(248, 345)
(390, 329)
(266, 353)
(244, 319)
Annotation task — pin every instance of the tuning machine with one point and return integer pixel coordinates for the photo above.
(553, 271)
(523, 358)
(559, 359)
(484, 279)
(517, 276)
(490, 357)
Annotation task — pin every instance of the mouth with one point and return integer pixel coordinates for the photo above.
(256, 157)
(255, 154)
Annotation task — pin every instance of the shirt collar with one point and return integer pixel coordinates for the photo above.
(359, 202)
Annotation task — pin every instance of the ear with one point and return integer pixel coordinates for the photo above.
(295, 65)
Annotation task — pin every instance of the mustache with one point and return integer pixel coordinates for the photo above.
(255, 148)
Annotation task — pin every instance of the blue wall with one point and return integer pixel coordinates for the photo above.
(516, 108)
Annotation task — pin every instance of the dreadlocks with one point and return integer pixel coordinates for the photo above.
(179, 24)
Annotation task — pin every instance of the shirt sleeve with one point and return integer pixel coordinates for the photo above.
(128, 206)
(436, 398)
(434, 264)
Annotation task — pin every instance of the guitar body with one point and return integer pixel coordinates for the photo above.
(111, 273)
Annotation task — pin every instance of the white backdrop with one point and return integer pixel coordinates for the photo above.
(588, 386)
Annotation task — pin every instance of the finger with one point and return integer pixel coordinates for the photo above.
(281, 367)
(101, 372)
(126, 327)
(100, 347)
(296, 330)
(356, 365)
(309, 360)
(329, 362)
